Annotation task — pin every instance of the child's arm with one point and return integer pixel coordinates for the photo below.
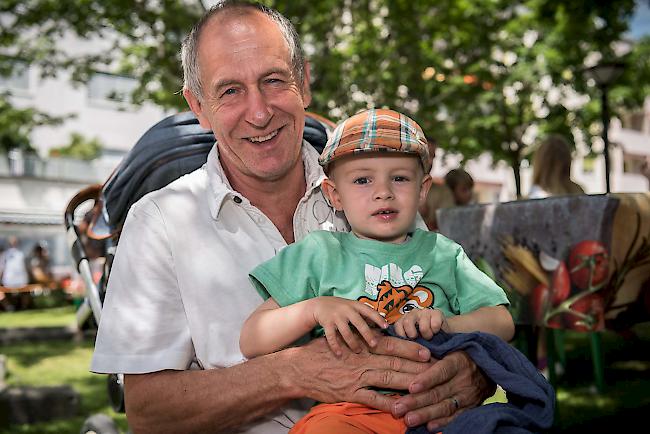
(271, 327)
(489, 319)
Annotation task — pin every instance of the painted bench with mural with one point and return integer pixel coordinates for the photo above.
(573, 262)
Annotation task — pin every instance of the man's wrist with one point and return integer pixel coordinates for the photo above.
(286, 367)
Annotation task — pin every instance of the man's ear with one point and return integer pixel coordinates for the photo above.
(306, 88)
(329, 189)
(197, 108)
(425, 186)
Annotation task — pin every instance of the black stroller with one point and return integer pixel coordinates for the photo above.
(94, 217)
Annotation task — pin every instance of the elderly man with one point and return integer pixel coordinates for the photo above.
(179, 290)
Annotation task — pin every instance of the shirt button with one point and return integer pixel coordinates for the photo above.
(237, 199)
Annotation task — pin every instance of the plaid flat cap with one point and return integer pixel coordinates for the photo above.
(377, 130)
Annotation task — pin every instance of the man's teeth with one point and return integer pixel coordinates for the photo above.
(263, 138)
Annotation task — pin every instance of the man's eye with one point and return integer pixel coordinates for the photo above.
(229, 91)
(361, 180)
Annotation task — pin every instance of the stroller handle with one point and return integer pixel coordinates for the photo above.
(91, 192)
(76, 246)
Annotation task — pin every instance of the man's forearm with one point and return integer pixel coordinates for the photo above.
(215, 400)
(221, 399)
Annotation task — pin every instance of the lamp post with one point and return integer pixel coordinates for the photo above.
(604, 74)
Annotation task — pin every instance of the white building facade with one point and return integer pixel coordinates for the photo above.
(35, 189)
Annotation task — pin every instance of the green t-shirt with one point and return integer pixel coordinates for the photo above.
(427, 271)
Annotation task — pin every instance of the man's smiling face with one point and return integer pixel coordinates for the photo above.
(251, 101)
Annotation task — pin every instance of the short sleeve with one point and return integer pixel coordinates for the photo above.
(474, 288)
(143, 327)
(292, 275)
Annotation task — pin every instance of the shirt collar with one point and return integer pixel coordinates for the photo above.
(220, 190)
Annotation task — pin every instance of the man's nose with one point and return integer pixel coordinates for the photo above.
(259, 112)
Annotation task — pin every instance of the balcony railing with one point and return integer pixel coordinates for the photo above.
(60, 169)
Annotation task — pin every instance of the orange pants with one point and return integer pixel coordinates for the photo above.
(347, 417)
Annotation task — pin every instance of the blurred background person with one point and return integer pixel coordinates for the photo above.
(39, 265)
(552, 169)
(13, 275)
(439, 196)
(551, 177)
(12, 266)
(461, 185)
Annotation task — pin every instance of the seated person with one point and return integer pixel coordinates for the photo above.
(461, 185)
(39, 265)
(438, 197)
(383, 272)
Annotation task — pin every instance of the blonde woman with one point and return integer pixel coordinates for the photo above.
(552, 170)
(551, 177)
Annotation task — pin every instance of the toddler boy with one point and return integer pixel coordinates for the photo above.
(382, 272)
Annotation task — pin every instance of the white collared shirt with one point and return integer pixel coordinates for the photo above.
(179, 292)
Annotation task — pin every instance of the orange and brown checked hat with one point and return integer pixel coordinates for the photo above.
(377, 130)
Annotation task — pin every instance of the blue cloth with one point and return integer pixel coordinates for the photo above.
(531, 399)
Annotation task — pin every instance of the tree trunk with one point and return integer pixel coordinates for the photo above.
(516, 169)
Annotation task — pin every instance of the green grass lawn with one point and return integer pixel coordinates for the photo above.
(626, 400)
(56, 363)
(53, 317)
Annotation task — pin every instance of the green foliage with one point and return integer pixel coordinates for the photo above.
(79, 147)
(478, 75)
(16, 125)
(142, 37)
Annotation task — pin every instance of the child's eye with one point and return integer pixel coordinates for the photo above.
(361, 180)
(400, 179)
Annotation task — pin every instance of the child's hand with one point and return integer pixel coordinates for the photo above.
(335, 314)
(428, 322)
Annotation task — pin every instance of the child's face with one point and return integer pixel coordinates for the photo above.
(379, 193)
(463, 194)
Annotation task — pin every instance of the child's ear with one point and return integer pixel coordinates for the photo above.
(329, 189)
(424, 188)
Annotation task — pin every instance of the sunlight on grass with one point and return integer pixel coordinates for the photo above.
(53, 317)
(584, 397)
(499, 396)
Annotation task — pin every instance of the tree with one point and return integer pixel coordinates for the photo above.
(17, 124)
(478, 75)
(79, 147)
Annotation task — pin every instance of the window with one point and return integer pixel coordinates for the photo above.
(634, 121)
(104, 87)
(633, 164)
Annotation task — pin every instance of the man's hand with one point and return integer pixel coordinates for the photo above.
(421, 322)
(446, 389)
(339, 316)
(393, 363)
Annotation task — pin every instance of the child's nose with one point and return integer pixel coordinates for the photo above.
(383, 191)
